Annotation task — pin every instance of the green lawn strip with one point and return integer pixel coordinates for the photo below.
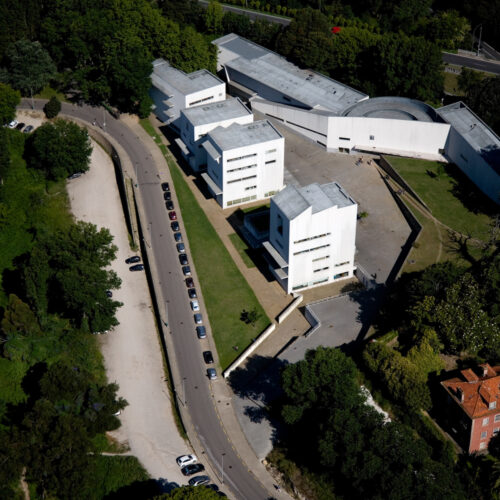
(242, 249)
(437, 193)
(225, 291)
(47, 92)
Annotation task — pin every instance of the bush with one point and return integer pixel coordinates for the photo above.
(52, 107)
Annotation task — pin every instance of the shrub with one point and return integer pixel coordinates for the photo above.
(52, 108)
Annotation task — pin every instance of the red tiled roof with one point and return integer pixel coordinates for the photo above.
(478, 390)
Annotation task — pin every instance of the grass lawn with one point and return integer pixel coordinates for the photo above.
(451, 83)
(452, 197)
(242, 249)
(47, 92)
(225, 290)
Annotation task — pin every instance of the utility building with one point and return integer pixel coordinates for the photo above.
(244, 162)
(312, 236)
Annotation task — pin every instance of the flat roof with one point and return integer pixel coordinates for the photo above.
(398, 108)
(292, 201)
(216, 112)
(238, 135)
(186, 83)
(306, 86)
(480, 137)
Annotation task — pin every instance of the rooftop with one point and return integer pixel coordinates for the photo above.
(306, 86)
(399, 108)
(216, 112)
(476, 392)
(480, 137)
(292, 201)
(165, 75)
(238, 136)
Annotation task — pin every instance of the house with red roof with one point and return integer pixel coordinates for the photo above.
(474, 406)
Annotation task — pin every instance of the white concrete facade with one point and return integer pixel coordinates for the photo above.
(195, 123)
(244, 162)
(173, 90)
(312, 236)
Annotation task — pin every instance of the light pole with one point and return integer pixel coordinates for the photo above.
(222, 455)
(474, 37)
(103, 117)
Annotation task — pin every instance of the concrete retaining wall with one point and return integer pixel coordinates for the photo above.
(313, 321)
(289, 309)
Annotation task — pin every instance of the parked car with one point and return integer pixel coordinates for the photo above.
(109, 293)
(212, 373)
(20, 126)
(200, 330)
(198, 318)
(184, 460)
(133, 259)
(183, 259)
(189, 470)
(13, 124)
(175, 226)
(208, 357)
(28, 129)
(172, 215)
(165, 186)
(195, 306)
(192, 293)
(169, 205)
(178, 237)
(75, 175)
(137, 267)
(189, 282)
(186, 270)
(199, 480)
(167, 195)
(181, 248)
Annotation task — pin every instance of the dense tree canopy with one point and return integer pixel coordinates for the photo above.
(9, 99)
(59, 149)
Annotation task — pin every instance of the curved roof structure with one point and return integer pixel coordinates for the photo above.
(396, 108)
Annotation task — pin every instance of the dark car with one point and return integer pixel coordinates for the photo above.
(192, 293)
(167, 195)
(183, 259)
(212, 373)
(186, 270)
(189, 470)
(181, 247)
(200, 330)
(199, 480)
(133, 259)
(189, 282)
(165, 186)
(207, 356)
(178, 237)
(175, 226)
(172, 215)
(169, 205)
(137, 267)
(109, 293)
(20, 126)
(28, 129)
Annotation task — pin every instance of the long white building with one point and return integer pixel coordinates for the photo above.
(244, 162)
(173, 90)
(342, 119)
(312, 236)
(196, 122)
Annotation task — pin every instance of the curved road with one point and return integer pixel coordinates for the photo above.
(188, 349)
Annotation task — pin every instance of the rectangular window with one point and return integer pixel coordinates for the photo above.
(493, 405)
(270, 151)
(311, 249)
(201, 100)
(372, 138)
(319, 270)
(342, 263)
(312, 238)
(341, 275)
(270, 161)
(321, 258)
(497, 417)
(241, 157)
(242, 179)
(495, 430)
(242, 168)
(344, 138)
(250, 188)
(280, 225)
(486, 421)
(482, 446)
(484, 434)
(298, 287)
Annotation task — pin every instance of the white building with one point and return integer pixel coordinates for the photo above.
(196, 122)
(312, 236)
(344, 120)
(244, 162)
(173, 90)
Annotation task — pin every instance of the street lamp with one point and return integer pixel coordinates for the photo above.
(480, 26)
(222, 468)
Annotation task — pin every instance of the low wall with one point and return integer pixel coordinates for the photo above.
(313, 320)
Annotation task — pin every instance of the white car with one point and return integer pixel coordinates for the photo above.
(186, 460)
(195, 306)
(13, 124)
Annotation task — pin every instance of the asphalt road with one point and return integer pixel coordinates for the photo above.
(159, 237)
(251, 14)
(473, 63)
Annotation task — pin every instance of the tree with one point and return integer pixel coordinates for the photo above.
(30, 66)
(52, 107)
(190, 493)
(213, 17)
(9, 99)
(59, 149)
(468, 79)
(484, 99)
(447, 29)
